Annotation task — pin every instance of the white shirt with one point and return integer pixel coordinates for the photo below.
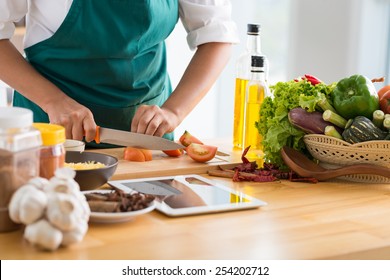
(204, 20)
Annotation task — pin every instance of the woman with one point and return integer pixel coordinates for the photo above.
(103, 62)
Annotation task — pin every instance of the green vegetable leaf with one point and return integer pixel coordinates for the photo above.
(273, 124)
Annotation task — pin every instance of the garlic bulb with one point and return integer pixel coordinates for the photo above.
(55, 211)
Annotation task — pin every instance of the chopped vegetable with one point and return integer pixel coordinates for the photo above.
(135, 154)
(174, 153)
(334, 118)
(378, 117)
(386, 123)
(187, 139)
(325, 105)
(355, 96)
(330, 130)
(201, 152)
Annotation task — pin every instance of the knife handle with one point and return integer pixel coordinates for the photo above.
(97, 135)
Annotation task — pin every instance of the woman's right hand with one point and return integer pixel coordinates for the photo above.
(76, 118)
(20, 75)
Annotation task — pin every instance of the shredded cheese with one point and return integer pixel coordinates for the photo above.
(85, 165)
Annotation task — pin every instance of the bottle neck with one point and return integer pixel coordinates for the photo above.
(257, 74)
(253, 43)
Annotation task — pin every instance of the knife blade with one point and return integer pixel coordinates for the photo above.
(132, 139)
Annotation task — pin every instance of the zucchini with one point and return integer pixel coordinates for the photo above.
(362, 129)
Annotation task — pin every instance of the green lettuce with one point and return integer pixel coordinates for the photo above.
(273, 124)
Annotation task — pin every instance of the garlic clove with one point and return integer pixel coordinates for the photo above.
(62, 211)
(62, 186)
(14, 206)
(76, 235)
(32, 206)
(39, 182)
(65, 173)
(43, 235)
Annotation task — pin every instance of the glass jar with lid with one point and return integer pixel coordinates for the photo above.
(52, 155)
(19, 157)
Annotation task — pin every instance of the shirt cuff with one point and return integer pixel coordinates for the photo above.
(208, 21)
(222, 32)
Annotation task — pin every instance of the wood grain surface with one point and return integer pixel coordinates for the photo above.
(329, 220)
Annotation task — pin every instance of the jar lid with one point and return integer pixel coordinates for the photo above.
(52, 134)
(15, 117)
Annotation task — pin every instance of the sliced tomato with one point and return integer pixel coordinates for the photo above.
(187, 138)
(384, 102)
(174, 153)
(200, 152)
(134, 154)
(147, 154)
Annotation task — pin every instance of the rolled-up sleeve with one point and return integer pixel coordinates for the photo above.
(208, 21)
(11, 11)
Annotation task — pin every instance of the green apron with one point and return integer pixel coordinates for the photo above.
(108, 55)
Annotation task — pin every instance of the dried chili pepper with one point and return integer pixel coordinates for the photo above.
(313, 80)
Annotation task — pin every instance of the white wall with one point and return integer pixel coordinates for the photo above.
(346, 37)
(213, 117)
(330, 39)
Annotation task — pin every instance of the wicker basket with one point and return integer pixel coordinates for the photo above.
(333, 153)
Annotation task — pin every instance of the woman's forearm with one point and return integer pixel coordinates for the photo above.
(206, 65)
(20, 75)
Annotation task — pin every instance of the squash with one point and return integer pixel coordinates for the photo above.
(361, 129)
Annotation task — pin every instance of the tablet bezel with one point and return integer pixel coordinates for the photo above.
(169, 211)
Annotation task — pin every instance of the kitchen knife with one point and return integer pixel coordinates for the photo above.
(137, 140)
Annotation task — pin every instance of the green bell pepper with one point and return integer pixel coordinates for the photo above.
(355, 96)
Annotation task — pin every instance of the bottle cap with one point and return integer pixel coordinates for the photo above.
(15, 117)
(257, 61)
(52, 134)
(253, 28)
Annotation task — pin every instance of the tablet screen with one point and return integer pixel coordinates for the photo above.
(189, 194)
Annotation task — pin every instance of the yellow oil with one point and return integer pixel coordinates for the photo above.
(255, 97)
(239, 101)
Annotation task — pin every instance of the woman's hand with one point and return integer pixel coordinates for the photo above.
(16, 72)
(153, 120)
(77, 119)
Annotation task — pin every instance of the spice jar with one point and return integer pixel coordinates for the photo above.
(19, 157)
(52, 155)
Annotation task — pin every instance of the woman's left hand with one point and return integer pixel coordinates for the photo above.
(153, 120)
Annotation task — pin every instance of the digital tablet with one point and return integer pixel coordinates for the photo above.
(189, 194)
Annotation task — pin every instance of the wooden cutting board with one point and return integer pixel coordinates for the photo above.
(163, 165)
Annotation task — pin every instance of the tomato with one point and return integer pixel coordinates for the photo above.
(382, 91)
(147, 154)
(134, 154)
(200, 152)
(187, 138)
(174, 153)
(384, 102)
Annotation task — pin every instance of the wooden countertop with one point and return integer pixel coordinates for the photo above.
(329, 220)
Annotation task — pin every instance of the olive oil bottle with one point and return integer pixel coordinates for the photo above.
(243, 66)
(257, 89)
